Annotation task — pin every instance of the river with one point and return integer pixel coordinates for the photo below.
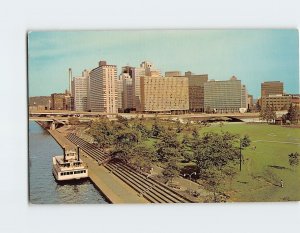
(43, 189)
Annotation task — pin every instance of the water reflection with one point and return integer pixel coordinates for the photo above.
(43, 186)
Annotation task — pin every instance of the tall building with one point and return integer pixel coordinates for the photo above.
(164, 94)
(196, 91)
(224, 96)
(138, 72)
(271, 88)
(80, 89)
(250, 102)
(125, 92)
(103, 88)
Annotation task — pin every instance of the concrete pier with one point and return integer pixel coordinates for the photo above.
(115, 190)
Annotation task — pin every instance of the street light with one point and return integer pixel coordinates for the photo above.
(190, 178)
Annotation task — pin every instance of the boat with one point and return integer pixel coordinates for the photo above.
(69, 166)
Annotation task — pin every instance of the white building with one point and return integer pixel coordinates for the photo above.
(103, 88)
(80, 89)
(125, 92)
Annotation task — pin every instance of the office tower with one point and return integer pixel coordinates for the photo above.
(164, 94)
(244, 97)
(271, 88)
(196, 91)
(80, 89)
(224, 96)
(250, 102)
(103, 88)
(138, 72)
(125, 92)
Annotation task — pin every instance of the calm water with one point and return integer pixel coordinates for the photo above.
(43, 187)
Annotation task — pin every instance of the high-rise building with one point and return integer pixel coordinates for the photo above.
(103, 88)
(250, 102)
(224, 96)
(80, 89)
(196, 91)
(164, 94)
(125, 92)
(138, 72)
(271, 88)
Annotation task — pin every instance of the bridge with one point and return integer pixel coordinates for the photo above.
(87, 116)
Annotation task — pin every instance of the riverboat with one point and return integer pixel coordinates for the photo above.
(69, 166)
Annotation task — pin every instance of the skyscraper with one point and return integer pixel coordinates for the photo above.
(103, 88)
(164, 94)
(80, 90)
(125, 92)
(196, 91)
(224, 96)
(271, 88)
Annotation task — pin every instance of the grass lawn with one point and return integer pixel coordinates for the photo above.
(266, 165)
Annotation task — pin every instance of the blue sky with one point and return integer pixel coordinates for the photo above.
(254, 56)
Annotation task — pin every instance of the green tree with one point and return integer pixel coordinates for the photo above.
(168, 146)
(268, 114)
(244, 143)
(179, 126)
(293, 114)
(294, 159)
(102, 132)
(122, 120)
(157, 129)
(171, 170)
(140, 127)
(141, 157)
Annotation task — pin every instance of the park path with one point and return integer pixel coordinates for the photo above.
(294, 143)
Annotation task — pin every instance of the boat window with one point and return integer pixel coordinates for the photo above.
(61, 173)
(71, 173)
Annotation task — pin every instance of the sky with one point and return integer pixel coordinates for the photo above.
(253, 56)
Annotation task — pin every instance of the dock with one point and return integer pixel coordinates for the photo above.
(115, 190)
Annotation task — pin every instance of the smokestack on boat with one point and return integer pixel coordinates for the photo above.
(78, 152)
(64, 149)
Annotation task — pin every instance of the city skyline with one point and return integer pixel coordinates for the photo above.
(253, 56)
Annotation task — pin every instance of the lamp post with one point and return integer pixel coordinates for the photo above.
(190, 178)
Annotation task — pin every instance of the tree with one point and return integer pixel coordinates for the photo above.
(122, 120)
(140, 127)
(171, 170)
(244, 142)
(268, 114)
(168, 146)
(294, 159)
(141, 157)
(293, 114)
(179, 126)
(102, 132)
(157, 129)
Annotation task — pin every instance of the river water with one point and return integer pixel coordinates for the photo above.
(43, 189)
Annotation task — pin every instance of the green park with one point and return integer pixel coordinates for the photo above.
(230, 161)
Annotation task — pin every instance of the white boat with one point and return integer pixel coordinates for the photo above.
(69, 166)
